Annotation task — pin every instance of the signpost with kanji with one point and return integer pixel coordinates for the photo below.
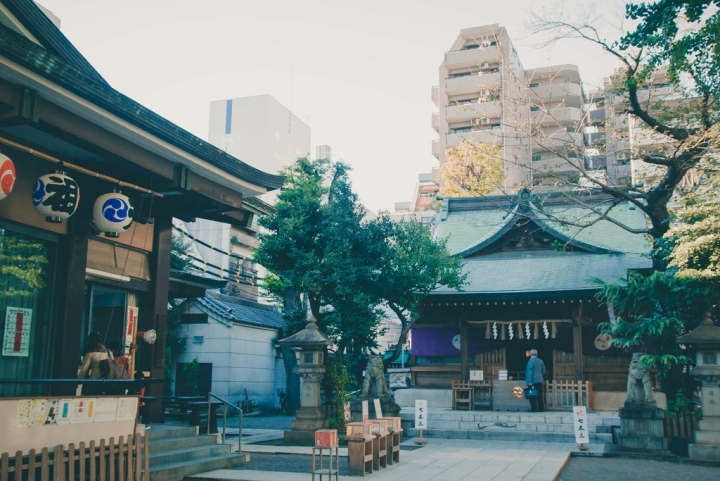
(421, 418)
(582, 434)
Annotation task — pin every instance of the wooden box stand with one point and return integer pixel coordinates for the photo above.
(380, 444)
(326, 440)
(360, 448)
(394, 440)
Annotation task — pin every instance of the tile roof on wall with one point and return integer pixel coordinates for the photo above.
(239, 312)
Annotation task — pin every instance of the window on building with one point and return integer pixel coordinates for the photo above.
(471, 46)
(194, 319)
(460, 75)
(534, 84)
(461, 130)
(495, 127)
(536, 157)
(534, 108)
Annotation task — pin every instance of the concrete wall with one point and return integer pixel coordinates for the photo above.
(259, 131)
(243, 357)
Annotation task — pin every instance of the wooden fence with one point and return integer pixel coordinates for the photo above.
(679, 431)
(563, 395)
(128, 459)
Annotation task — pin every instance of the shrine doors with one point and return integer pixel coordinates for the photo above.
(563, 365)
(490, 363)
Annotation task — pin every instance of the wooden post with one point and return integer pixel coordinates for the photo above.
(158, 316)
(70, 318)
(464, 352)
(577, 343)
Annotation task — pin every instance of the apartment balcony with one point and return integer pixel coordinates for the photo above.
(434, 94)
(435, 121)
(565, 116)
(471, 58)
(436, 148)
(560, 140)
(480, 136)
(477, 110)
(595, 139)
(569, 93)
(471, 83)
(554, 164)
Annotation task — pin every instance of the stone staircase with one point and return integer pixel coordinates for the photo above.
(554, 427)
(178, 451)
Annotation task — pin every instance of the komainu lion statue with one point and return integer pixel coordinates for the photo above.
(639, 386)
(374, 384)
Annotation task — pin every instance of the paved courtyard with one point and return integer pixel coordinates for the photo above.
(616, 469)
(440, 460)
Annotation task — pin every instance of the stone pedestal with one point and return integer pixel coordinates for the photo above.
(707, 437)
(311, 415)
(389, 408)
(641, 429)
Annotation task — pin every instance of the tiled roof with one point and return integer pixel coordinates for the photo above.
(243, 313)
(544, 271)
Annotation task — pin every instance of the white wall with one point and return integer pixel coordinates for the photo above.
(243, 357)
(260, 131)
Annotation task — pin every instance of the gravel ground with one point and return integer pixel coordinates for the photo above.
(615, 469)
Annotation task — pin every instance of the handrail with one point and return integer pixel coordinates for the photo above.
(225, 406)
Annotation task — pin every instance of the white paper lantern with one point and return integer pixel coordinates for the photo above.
(7, 176)
(56, 196)
(113, 213)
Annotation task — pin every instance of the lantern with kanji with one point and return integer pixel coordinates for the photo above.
(56, 196)
(7, 176)
(113, 214)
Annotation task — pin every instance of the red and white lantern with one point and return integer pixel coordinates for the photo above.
(7, 176)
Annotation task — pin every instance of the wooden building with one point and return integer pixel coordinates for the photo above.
(532, 280)
(67, 277)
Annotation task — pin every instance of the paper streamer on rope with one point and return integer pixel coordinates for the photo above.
(527, 330)
(487, 331)
(546, 331)
(511, 334)
(494, 330)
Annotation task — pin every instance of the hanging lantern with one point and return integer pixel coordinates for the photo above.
(56, 196)
(113, 214)
(7, 176)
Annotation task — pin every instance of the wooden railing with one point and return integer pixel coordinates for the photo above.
(563, 395)
(127, 459)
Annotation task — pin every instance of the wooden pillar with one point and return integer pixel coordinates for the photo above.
(577, 343)
(159, 294)
(71, 293)
(464, 351)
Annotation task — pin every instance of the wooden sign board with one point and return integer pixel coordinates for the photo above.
(476, 375)
(365, 411)
(420, 414)
(378, 409)
(45, 422)
(580, 421)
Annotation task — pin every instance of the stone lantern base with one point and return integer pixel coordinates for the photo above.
(306, 422)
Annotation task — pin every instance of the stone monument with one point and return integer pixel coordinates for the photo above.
(310, 343)
(641, 421)
(705, 339)
(375, 387)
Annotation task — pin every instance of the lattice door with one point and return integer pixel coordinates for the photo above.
(490, 363)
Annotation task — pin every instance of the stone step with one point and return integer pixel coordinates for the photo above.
(709, 425)
(503, 417)
(707, 437)
(507, 435)
(526, 427)
(704, 452)
(167, 431)
(189, 454)
(178, 471)
(172, 444)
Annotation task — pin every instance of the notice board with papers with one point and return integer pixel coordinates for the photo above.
(45, 422)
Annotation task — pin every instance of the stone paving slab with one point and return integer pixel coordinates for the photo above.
(443, 460)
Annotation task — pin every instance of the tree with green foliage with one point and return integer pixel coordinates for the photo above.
(414, 265)
(472, 169)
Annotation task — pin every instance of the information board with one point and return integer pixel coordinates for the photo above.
(581, 425)
(420, 414)
(45, 422)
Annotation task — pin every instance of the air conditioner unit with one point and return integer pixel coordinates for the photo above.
(484, 65)
(485, 121)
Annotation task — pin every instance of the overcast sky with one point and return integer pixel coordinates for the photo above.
(359, 73)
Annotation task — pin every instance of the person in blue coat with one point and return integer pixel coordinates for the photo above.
(534, 374)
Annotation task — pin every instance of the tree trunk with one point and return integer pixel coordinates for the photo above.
(403, 336)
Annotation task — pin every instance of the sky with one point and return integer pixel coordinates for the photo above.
(359, 73)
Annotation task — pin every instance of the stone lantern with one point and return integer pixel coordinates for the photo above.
(310, 343)
(705, 339)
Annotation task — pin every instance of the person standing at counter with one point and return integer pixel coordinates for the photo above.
(534, 373)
